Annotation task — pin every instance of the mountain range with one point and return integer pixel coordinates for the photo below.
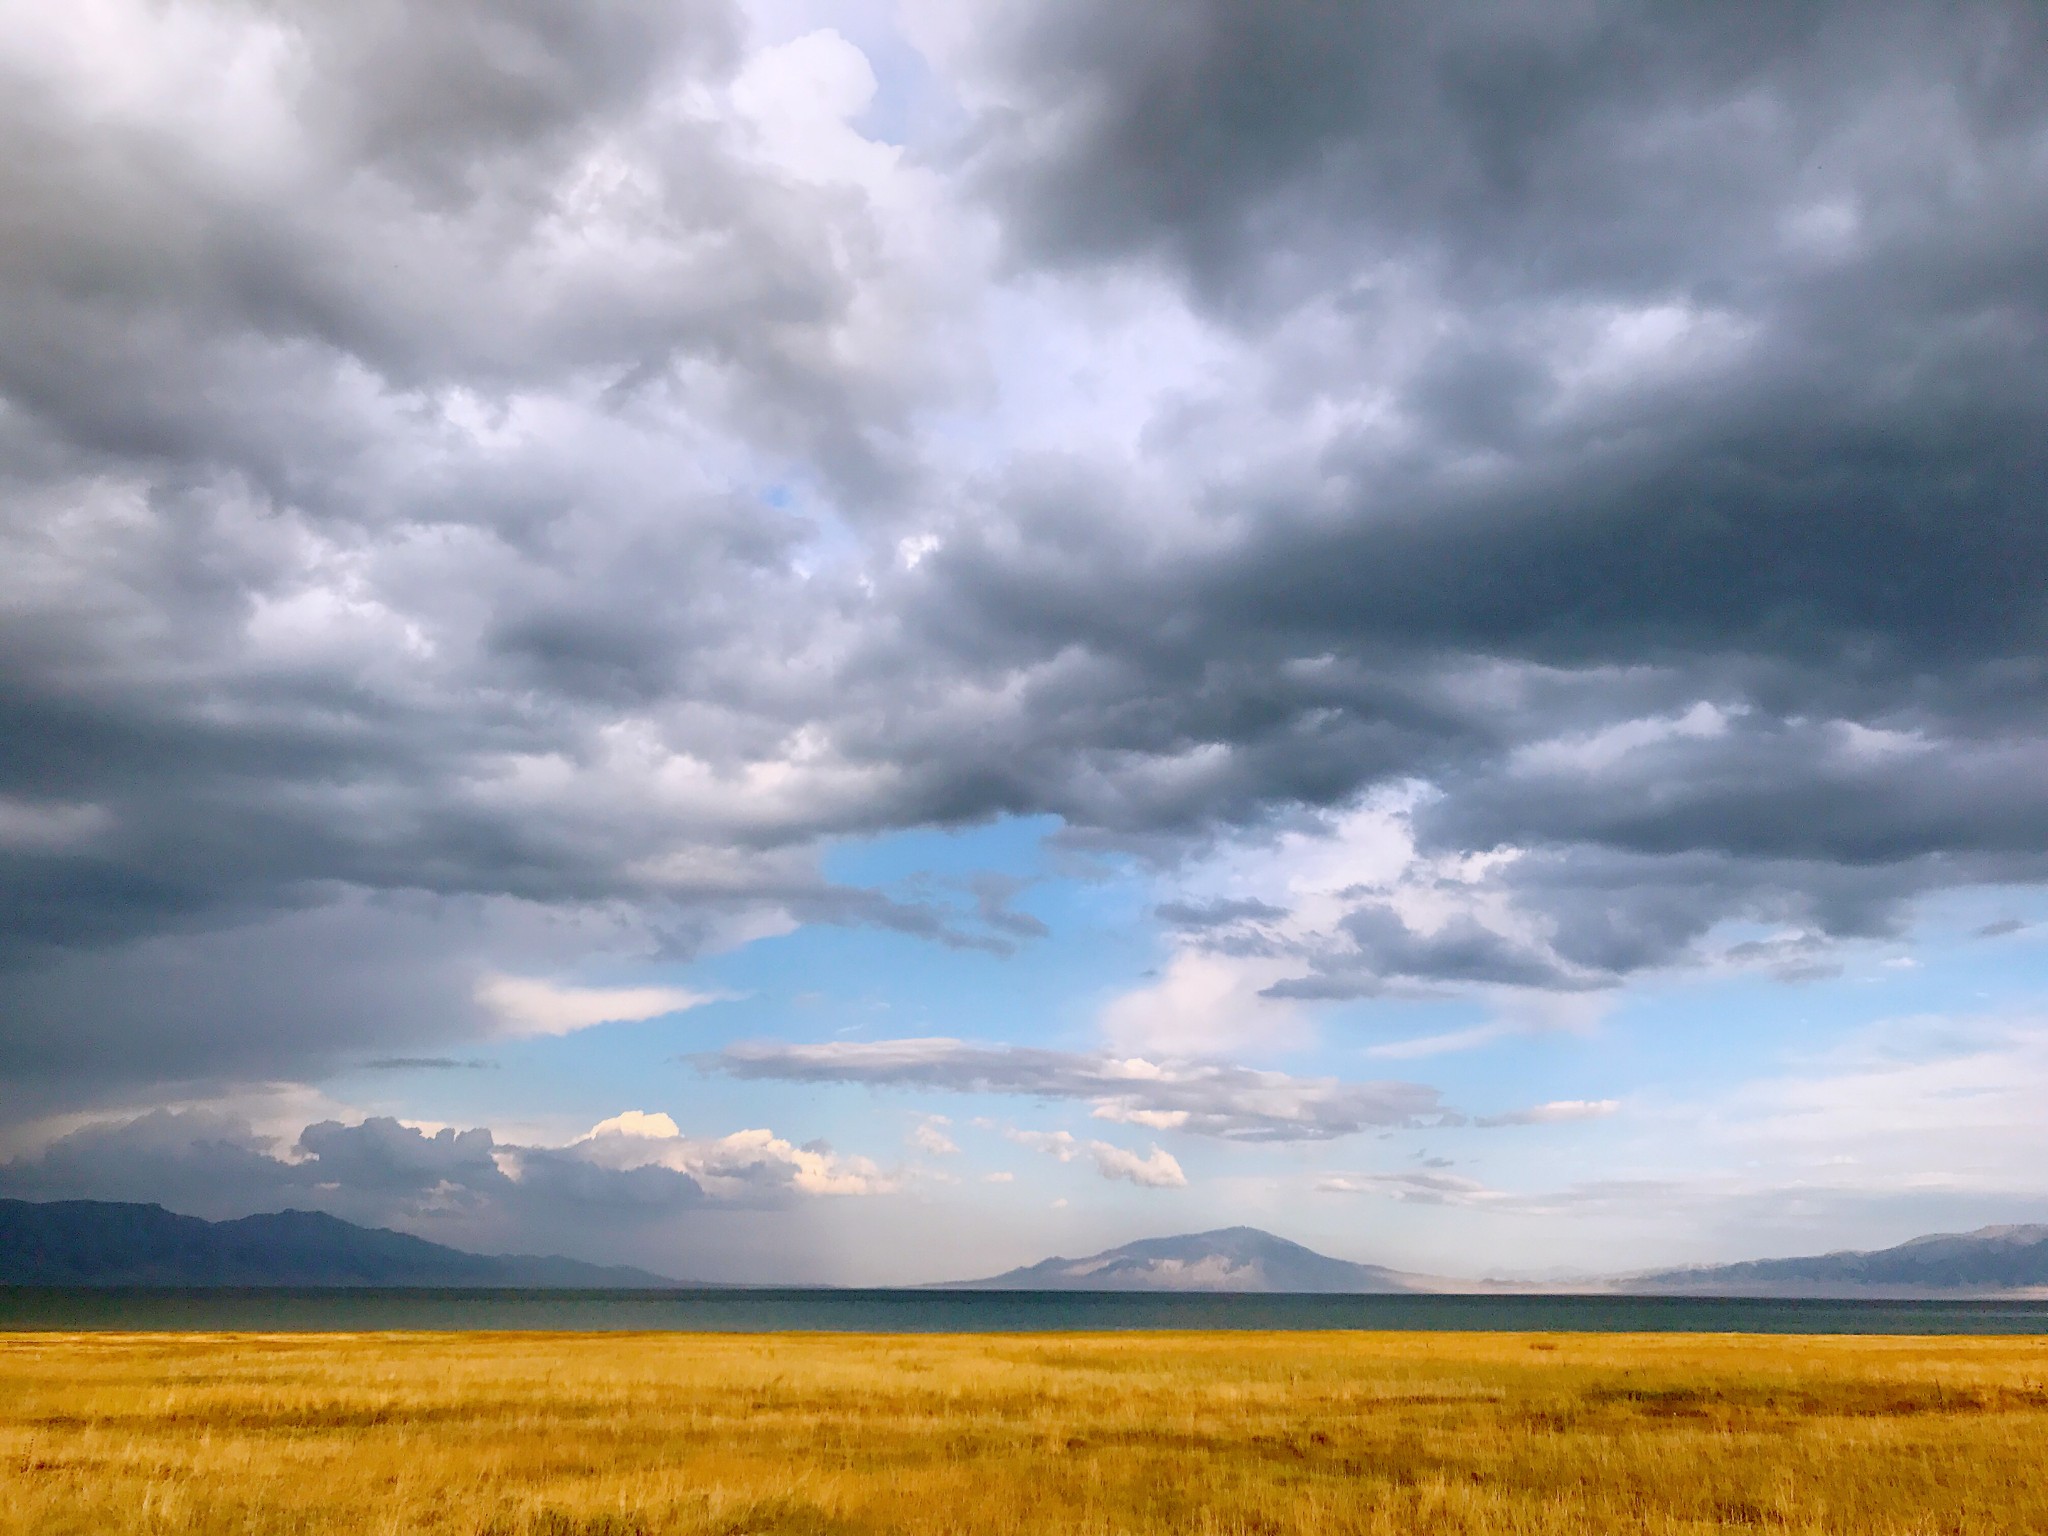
(102, 1242)
(1989, 1261)
(105, 1243)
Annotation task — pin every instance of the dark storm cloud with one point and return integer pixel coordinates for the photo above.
(441, 461)
(1849, 196)
(1276, 151)
(275, 619)
(1693, 358)
(384, 1157)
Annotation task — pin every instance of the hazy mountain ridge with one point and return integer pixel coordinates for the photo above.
(1229, 1259)
(1988, 1261)
(101, 1242)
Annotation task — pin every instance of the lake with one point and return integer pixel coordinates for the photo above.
(914, 1311)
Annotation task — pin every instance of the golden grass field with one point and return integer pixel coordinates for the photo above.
(610, 1434)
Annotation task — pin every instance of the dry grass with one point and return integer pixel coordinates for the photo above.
(617, 1435)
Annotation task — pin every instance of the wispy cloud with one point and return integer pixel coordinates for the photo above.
(1202, 1098)
(526, 1005)
(1416, 1187)
(1557, 1112)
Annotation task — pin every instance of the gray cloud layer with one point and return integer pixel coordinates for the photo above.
(454, 464)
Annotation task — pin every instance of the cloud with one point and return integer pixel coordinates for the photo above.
(1357, 903)
(383, 1156)
(1058, 1144)
(930, 1137)
(1412, 1187)
(430, 358)
(1557, 1112)
(1202, 1098)
(467, 470)
(1156, 1170)
(49, 825)
(1201, 916)
(746, 1165)
(1383, 949)
(1204, 1004)
(1905, 1125)
(618, 1188)
(529, 1006)
(198, 1161)
(1521, 496)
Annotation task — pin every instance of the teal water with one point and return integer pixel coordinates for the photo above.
(850, 1311)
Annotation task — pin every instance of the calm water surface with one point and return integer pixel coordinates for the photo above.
(751, 1311)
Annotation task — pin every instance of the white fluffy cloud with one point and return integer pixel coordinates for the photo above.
(1158, 1169)
(745, 1164)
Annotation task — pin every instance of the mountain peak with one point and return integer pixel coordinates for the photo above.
(1226, 1259)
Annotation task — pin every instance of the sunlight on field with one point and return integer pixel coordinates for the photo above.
(605, 1435)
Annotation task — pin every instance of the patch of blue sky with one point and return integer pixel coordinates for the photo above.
(825, 982)
(911, 103)
(1685, 1037)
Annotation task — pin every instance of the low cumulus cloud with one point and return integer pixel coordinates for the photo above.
(627, 1178)
(1155, 1170)
(1201, 1098)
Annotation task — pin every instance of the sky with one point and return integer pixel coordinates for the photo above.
(863, 642)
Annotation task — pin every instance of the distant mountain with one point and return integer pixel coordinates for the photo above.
(1233, 1259)
(1987, 1261)
(100, 1242)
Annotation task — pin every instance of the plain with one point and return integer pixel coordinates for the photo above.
(617, 1435)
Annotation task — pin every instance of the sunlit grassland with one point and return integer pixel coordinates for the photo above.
(575, 1435)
